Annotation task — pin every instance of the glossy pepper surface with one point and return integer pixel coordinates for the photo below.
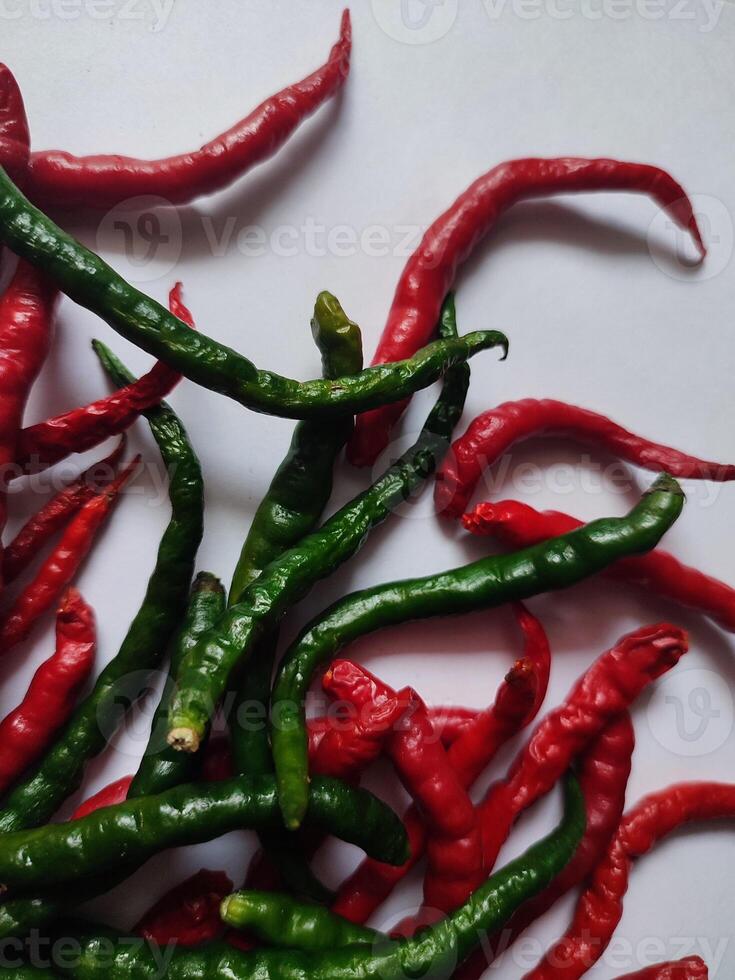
(600, 907)
(15, 140)
(137, 829)
(493, 433)
(205, 672)
(61, 770)
(45, 443)
(433, 954)
(188, 914)
(89, 281)
(430, 272)
(518, 526)
(61, 179)
(489, 582)
(50, 699)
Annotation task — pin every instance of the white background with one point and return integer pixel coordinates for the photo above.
(592, 319)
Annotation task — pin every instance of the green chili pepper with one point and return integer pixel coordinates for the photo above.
(89, 281)
(280, 920)
(433, 954)
(291, 508)
(161, 767)
(204, 674)
(133, 831)
(554, 564)
(125, 678)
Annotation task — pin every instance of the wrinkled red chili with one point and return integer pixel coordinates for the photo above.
(188, 914)
(52, 694)
(15, 140)
(518, 526)
(492, 433)
(60, 179)
(430, 272)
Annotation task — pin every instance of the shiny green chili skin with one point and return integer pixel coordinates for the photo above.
(204, 674)
(92, 283)
(280, 920)
(553, 564)
(433, 954)
(126, 676)
(290, 509)
(161, 766)
(133, 831)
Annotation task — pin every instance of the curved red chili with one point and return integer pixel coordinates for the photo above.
(62, 564)
(603, 692)
(518, 526)
(15, 140)
(60, 179)
(45, 443)
(600, 907)
(188, 914)
(46, 522)
(492, 433)
(52, 694)
(110, 795)
(430, 272)
(26, 321)
(518, 697)
(604, 770)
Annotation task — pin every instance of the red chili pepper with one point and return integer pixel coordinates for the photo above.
(189, 913)
(109, 795)
(603, 776)
(15, 140)
(691, 968)
(217, 759)
(449, 721)
(518, 526)
(491, 434)
(26, 318)
(607, 689)
(349, 745)
(59, 179)
(50, 699)
(600, 907)
(62, 564)
(43, 444)
(54, 515)
(372, 882)
(423, 766)
(430, 272)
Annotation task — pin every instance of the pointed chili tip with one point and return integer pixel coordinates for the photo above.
(183, 740)
(345, 26)
(665, 483)
(698, 240)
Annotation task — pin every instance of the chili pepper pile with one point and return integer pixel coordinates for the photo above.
(292, 777)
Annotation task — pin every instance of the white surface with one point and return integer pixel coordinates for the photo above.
(592, 319)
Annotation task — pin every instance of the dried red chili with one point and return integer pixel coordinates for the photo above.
(603, 692)
(430, 272)
(59, 179)
(51, 696)
(26, 319)
(15, 140)
(45, 443)
(518, 526)
(492, 433)
(55, 514)
(600, 907)
(62, 564)
(189, 913)
(603, 776)
(110, 795)
(518, 698)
